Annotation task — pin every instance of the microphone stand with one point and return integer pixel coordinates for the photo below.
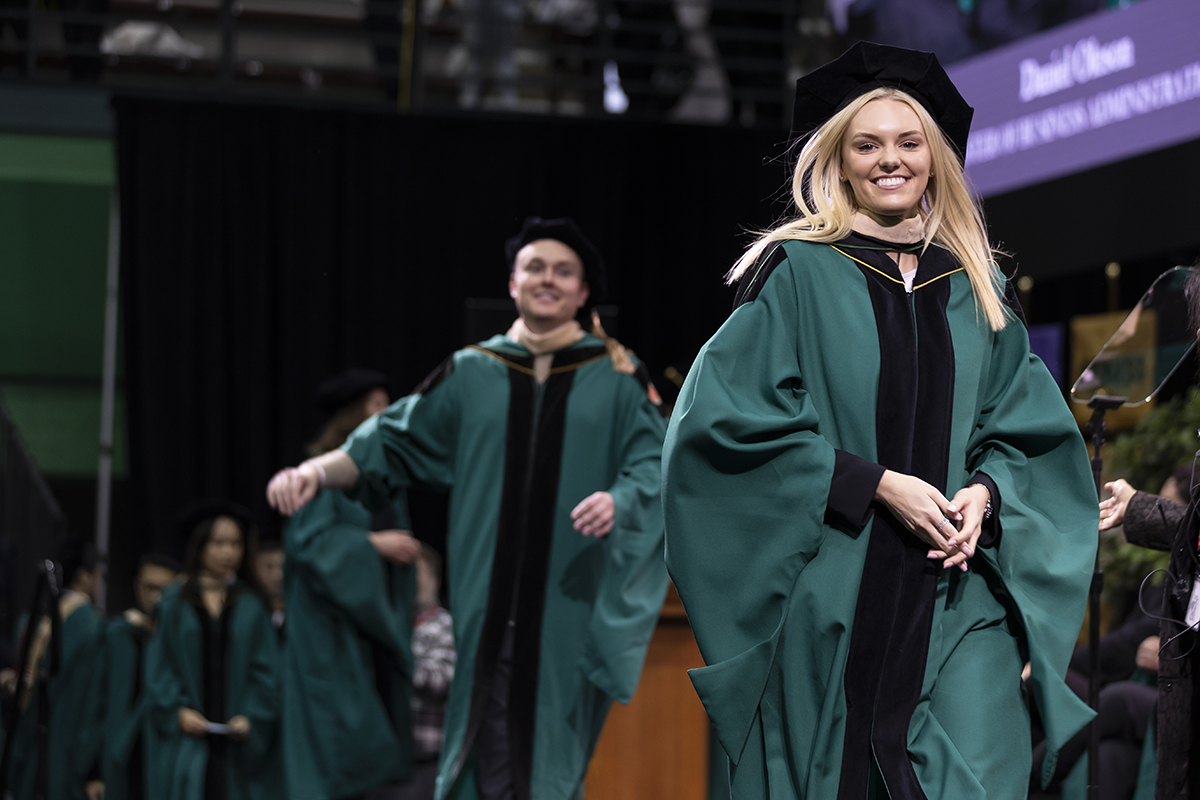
(46, 592)
(1099, 405)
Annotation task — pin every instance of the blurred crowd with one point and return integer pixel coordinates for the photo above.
(206, 686)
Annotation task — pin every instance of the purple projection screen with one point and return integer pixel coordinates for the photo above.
(1100, 89)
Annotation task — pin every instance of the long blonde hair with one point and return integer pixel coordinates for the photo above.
(953, 218)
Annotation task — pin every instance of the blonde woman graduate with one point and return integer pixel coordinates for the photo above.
(878, 506)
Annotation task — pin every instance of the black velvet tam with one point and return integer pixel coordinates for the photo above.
(347, 386)
(566, 231)
(826, 90)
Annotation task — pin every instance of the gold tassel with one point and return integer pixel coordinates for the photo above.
(620, 356)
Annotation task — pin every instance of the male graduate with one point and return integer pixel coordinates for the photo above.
(550, 447)
(123, 761)
(76, 706)
(268, 568)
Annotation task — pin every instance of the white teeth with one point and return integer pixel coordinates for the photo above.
(890, 181)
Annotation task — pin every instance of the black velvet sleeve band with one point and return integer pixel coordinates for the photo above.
(989, 535)
(851, 490)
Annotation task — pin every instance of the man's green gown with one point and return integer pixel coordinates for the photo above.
(177, 674)
(125, 722)
(839, 657)
(76, 714)
(517, 458)
(347, 665)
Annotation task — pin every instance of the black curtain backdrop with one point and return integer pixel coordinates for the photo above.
(266, 248)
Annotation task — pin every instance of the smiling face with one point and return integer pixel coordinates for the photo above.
(547, 284)
(886, 160)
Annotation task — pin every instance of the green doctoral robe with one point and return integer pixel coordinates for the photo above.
(347, 658)
(178, 669)
(125, 719)
(840, 659)
(517, 458)
(76, 714)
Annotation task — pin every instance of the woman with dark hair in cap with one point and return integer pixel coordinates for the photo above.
(878, 505)
(212, 670)
(347, 657)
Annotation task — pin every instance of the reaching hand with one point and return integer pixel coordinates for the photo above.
(594, 516)
(399, 547)
(239, 728)
(925, 511)
(1112, 510)
(192, 722)
(292, 488)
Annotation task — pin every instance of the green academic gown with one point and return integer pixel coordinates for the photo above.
(123, 762)
(517, 458)
(347, 675)
(76, 714)
(182, 663)
(840, 659)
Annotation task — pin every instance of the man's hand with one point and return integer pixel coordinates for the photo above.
(94, 790)
(1147, 654)
(292, 488)
(192, 722)
(594, 516)
(399, 547)
(923, 510)
(1112, 510)
(239, 728)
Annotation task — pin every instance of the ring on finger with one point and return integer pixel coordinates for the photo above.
(942, 524)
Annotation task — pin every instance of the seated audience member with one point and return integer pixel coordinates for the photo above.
(1128, 670)
(75, 692)
(212, 670)
(433, 670)
(123, 761)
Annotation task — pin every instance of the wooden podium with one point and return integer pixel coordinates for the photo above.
(657, 746)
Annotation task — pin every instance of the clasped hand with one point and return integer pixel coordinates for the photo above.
(950, 527)
(193, 723)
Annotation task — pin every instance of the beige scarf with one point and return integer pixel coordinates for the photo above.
(905, 231)
(543, 346)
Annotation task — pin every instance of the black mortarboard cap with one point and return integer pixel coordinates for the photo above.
(865, 66)
(566, 231)
(204, 510)
(348, 386)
